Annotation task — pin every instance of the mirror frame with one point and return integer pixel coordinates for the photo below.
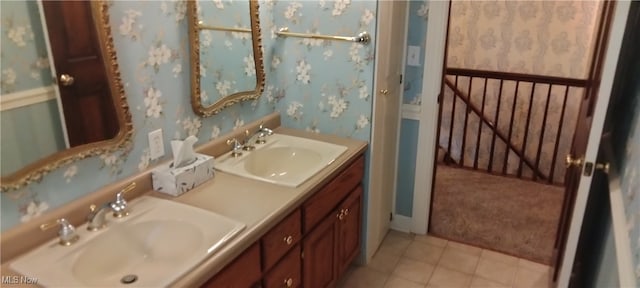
(224, 102)
(34, 172)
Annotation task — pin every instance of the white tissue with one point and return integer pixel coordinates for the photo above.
(183, 153)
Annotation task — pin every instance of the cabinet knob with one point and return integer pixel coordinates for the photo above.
(346, 212)
(288, 239)
(288, 282)
(340, 215)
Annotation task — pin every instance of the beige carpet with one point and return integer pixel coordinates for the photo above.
(504, 214)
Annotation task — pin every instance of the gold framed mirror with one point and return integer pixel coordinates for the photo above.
(225, 53)
(74, 83)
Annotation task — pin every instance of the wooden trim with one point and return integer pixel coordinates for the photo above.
(27, 97)
(401, 223)
(432, 86)
(518, 77)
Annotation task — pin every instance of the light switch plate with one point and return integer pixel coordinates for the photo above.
(413, 56)
(156, 144)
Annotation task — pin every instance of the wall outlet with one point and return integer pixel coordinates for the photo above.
(156, 144)
(413, 56)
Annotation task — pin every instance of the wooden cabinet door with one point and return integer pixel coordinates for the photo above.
(89, 110)
(243, 272)
(349, 230)
(318, 264)
(286, 273)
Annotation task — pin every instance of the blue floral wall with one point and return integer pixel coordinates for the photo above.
(223, 76)
(321, 86)
(25, 64)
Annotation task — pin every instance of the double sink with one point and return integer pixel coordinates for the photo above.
(162, 240)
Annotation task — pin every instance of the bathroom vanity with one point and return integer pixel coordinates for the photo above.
(304, 236)
(313, 245)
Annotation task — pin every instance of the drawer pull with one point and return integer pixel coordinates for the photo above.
(288, 282)
(288, 239)
(340, 215)
(346, 212)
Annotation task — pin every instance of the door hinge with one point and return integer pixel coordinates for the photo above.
(390, 217)
(400, 78)
(439, 97)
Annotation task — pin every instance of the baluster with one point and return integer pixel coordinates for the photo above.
(508, 144)
(557, 144)
(495, 127)
(466, 120)
(526, 131)
(544, 127)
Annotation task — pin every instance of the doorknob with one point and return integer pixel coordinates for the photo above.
(603, 166)
(66, 80)
(570, 161)
(384, 91)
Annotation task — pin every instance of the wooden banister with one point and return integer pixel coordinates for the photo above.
(484, 119)
(518, 77)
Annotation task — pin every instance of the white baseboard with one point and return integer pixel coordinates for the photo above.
(27, 97)
(401, 223)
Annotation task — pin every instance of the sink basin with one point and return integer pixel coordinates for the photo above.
(154, 245)
(284, 160)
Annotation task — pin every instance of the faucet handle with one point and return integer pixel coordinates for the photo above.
(237, 147)
(67, 232)
(247, 142)
(262, 133)
(119, 206)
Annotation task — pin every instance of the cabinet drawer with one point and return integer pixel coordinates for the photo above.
(323, 202)
(280, 239)
(243, 272)
(287, 273)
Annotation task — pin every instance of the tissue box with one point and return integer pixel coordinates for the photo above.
(179, 180)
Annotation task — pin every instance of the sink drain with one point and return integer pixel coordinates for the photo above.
(128, 279)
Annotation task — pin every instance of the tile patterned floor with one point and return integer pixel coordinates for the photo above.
(408, 261)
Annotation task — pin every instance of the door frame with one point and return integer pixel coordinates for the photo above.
(54, 73)
(434, 57)
(375, 195)
(604, 93)
(435, 48)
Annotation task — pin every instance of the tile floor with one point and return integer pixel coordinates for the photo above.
(408, 261)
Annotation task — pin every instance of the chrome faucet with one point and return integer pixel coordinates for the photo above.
(67, 232)
(237, 147)
(260, 135)
(96, 219)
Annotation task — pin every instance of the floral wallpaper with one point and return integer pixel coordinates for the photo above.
(25, 64)
(532, 37)
(236, 72)
(553, 38)
(321, 86)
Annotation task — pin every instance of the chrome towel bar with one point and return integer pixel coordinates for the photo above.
(363, 37)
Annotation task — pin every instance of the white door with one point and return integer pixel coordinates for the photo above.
(610, 63)
(386, 120)
(432, 83)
